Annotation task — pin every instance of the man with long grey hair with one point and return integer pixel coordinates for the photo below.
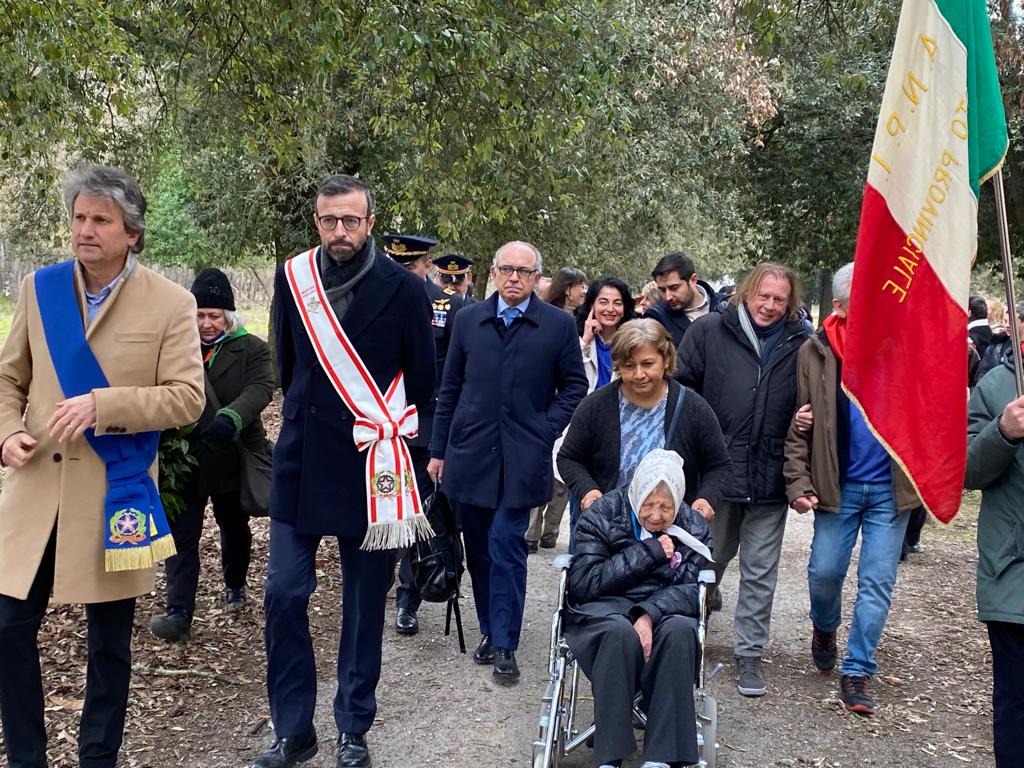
(107, 354)
(838, 469)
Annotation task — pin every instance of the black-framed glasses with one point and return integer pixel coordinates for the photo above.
(350, 223)
(523, 272)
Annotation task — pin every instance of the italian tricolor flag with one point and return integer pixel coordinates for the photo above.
(941, 132)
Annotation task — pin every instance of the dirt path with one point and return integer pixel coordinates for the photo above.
(438, 709)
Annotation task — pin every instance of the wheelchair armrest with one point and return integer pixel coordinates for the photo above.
(706, 577)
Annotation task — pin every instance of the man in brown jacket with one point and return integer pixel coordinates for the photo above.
(838, 469)
(141, 329)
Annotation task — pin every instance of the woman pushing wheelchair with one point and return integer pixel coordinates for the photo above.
(632, 612)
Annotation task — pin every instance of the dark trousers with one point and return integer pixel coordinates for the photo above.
(187, 528)
(108, 674)
(1007, 640)
(291, 667)
(918, 517)
(496, 552)
(407, 596)
(609, 653)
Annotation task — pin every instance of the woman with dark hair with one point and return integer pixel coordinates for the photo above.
(607, 305)
(566, 289)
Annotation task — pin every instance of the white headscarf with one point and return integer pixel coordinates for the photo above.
(661, 466)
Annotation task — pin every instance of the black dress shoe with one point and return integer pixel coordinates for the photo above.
(407, 623)
(352, 751)
(531, 547)
(506, 671)
(484, 653)
(288, 752)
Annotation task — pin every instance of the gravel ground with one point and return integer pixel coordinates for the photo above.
(204, 704)
(438, 709)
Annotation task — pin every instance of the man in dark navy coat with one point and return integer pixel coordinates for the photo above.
(319, 481)
(513, 378)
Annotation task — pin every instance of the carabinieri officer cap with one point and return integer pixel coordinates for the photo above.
(453, 264)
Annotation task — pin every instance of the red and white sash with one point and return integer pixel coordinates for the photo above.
(394, 510)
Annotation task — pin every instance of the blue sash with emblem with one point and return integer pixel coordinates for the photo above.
(135, 530)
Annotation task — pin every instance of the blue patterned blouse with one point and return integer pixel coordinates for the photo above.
(641, 431)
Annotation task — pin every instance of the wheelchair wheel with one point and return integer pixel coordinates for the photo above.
(707, 730)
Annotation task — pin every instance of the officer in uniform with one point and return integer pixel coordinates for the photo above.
(454, 277)
(413, 252)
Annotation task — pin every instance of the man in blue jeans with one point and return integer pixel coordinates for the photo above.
(838, 469)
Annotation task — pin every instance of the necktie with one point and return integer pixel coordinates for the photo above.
(510, 314)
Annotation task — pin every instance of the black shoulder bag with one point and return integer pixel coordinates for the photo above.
(437, 563)
(670, 432)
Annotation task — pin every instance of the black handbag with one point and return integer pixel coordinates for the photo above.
(437, 563)
(254, 480)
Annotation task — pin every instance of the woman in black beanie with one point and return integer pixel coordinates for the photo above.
(239, 385)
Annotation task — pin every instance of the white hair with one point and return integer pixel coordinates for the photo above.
(539, 266)
(234, 319)
(842, 281)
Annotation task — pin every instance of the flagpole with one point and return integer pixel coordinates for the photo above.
(1011, 301)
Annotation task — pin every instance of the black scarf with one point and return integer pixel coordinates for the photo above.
(340, 278)
(770, 335)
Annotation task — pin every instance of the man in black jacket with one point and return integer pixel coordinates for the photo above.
(978, 329)
(743, 361)
(684, 297)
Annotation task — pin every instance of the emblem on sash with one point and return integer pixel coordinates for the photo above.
(127, 525)
(385, 484)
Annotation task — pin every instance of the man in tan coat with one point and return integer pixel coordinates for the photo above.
(141, 329)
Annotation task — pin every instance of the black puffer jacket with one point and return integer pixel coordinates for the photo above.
(754, 401)
(614, 573)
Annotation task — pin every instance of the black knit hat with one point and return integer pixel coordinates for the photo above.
(212, 290)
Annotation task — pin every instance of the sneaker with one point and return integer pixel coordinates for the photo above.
(823, 650)
(853, 692)
(175, 626)
(750, 678)
(234, 599)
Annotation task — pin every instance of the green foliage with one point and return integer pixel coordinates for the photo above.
(175, 465)
(175, 237)
(608, 132)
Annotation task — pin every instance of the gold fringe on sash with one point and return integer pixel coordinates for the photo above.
(398, 534)
(162, 548)
(134, 559)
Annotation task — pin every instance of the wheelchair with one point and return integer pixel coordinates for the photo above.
(559, 734)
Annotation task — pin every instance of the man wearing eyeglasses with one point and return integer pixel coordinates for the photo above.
(513, 377)
(353, 337)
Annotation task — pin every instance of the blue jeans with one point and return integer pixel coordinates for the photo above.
(871, 509)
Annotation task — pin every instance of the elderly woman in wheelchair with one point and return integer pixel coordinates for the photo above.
(632, 613)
